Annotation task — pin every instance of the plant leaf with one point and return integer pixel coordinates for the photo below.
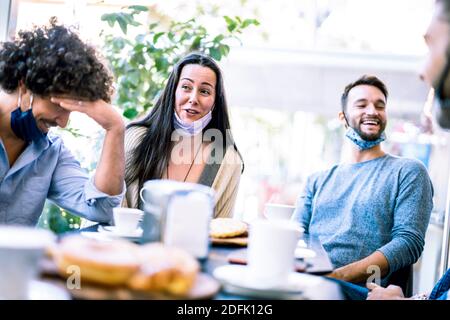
(122, 23)
(161, 64)
(224, 49)
(157, 36)
(196, 43)
(231, 24)
(130, 113)
(215, 53)
(219, 38)
(138, 8)
(248, 22)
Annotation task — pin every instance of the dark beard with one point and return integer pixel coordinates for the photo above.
(371, 137)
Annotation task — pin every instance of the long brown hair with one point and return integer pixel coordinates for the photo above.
(150, 158)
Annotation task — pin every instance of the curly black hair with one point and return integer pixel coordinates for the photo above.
(52, 60)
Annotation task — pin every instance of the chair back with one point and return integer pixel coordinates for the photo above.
(404, 279)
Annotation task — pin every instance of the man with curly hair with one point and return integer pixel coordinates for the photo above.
(45, 74)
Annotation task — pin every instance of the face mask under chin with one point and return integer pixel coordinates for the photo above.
(192, 128)
(361, 143)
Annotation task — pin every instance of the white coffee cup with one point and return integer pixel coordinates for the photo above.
(275, 211)
(126, 220)
(270, 254)
(21, 248)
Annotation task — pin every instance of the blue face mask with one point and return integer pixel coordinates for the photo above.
(360, 142)
(192, 128)
(24, 125)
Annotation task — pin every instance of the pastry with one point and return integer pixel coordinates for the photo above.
(108, 263)
(227, 228)
(151, 267)
(166, 269)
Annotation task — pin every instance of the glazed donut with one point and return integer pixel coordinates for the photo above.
(108, 263)
(166, 269)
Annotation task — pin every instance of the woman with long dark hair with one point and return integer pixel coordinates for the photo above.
(186, 137)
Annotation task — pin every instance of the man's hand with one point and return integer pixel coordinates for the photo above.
(100, 111)
(379, 293)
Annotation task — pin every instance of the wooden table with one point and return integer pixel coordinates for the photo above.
(318, 265)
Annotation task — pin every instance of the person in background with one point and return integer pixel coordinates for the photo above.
(45, 74)
(186, 136)
(372, 211)
(435, 73)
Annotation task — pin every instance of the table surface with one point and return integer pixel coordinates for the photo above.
(318, 265)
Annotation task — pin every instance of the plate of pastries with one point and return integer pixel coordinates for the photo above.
(120, 269)
(228, 231)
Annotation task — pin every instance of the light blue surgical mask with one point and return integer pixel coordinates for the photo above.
(361, 143)
(192, 128)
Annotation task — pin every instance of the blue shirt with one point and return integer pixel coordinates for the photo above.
(442, 289)
(355, 209)
(47, 169)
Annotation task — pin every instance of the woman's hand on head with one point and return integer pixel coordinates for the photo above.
(100, 111)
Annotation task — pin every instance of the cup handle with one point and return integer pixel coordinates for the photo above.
(140, 195)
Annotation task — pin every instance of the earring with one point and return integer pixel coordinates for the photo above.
(31, 101)
(19, 100)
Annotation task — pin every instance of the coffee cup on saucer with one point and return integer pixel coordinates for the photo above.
(126, 220)
(276, 211)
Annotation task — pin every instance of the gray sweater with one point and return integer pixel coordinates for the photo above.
(355, 209)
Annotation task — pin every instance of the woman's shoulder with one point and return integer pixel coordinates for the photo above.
(134, 134)
(136, 130)
(232, 157)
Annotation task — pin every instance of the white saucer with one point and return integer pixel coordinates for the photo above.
(113, 231)
(301, 253)
(101, 236)
(302, 244)
(40, 290)
(235, 280)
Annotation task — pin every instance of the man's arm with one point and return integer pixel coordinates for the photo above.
(303, 210)
(110, 172)
(360, 270)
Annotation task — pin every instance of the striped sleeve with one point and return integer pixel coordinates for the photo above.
(133, 138)
(226, 184)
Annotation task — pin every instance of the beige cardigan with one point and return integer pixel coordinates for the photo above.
(225, 182)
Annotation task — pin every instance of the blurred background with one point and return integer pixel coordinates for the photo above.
(285, 69)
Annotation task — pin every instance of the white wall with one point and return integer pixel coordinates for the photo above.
(4, 18)
(313, 81)
(8, 18)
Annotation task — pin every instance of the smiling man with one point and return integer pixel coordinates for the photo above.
(370, 213)
(45, 74)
